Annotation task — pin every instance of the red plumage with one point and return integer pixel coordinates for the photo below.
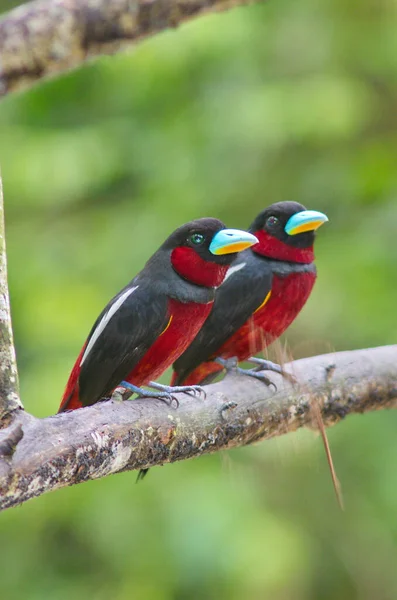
(70, 399)
(288, 296)
(145, 327)
(261, 296)
(185, 320)
(197, 270)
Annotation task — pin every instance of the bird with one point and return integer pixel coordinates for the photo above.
(152, 320)
(263, 292)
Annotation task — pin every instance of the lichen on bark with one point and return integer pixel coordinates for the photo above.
(9, 389)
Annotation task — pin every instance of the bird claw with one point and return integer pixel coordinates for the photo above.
(190, 390)
(260, 376)
(268, 365)
(194, 390)
(165, 393)
(231, 364)
(173, 399)
(164, 396)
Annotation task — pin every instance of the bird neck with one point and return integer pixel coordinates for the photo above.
(189, 265)
(271, 247)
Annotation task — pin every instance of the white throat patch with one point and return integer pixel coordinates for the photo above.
(233, 270)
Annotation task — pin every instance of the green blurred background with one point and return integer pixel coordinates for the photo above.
(221, 117)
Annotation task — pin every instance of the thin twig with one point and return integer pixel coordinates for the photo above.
(323, 433)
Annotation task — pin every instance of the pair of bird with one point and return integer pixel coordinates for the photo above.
(208, 294)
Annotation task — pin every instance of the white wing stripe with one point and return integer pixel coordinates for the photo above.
(105, 320)
(234, 269)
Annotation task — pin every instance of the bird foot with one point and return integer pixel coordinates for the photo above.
(190, 390)
(256, 375)
(268, 365)
(231, 365)
(158, 395)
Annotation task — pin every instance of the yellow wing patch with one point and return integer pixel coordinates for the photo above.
(263, 303)
(168, 324)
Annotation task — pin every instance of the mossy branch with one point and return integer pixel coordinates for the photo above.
(49, 37)
(40, 455)
(9, 391)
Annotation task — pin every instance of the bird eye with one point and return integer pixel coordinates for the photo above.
(197, 239)
(272, 222)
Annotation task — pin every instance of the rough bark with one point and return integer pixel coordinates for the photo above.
(9, 393)
(40, 455)
(47, 37)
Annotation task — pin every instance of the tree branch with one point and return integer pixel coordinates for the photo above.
(9, 390)
(49, 37)
(40, 455)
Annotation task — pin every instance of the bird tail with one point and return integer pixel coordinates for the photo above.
(70, 401)
(71, 396)
(141, 475)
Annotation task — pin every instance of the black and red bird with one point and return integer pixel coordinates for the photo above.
(144, 329)
(262, 294)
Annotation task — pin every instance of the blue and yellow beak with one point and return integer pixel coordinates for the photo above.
(306, 220)
(227, 241)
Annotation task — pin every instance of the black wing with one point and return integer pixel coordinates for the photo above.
(236, 300)
(121, 336)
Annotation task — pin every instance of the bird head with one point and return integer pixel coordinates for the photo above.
(286, 231)
(201, 251)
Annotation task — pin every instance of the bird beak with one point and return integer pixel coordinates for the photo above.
(228, 241)
(306, 220)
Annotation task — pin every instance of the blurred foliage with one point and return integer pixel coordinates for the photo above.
(274, 101)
